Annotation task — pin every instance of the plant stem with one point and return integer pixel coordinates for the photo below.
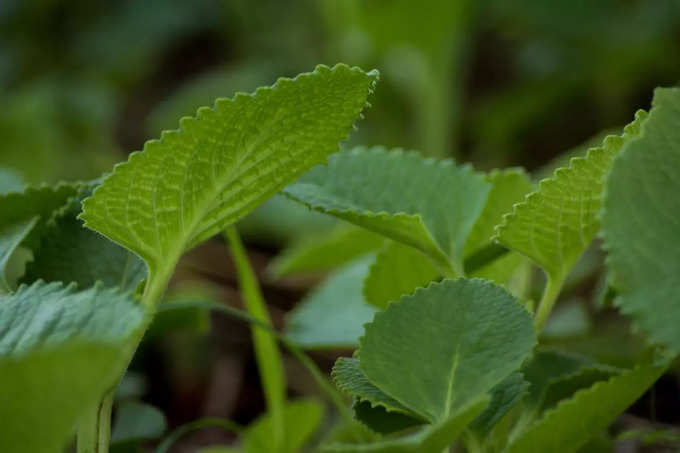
(552, 290)
(267, 353)
(333, 395)
(94, 431)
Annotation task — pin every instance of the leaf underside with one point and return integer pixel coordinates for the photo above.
(195, 181)
(427, 204)
(555, 223)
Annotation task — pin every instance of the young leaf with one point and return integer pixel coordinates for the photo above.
(398, 269)
(333, 314)
(572, 422)
(59, 351)
(68, 252)
(556, 223)
(641, 226)
(196, 181)
(24, 215)
(325, 251)
(445, 345)
(427, 204)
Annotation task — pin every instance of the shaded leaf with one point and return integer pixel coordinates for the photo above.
(136, 421)
(504, 396)
(334, 313)
(397, 270)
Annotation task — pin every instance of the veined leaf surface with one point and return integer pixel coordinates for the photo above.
(443, 346)
(194, 182)
(430, 205)
(555, 223)
(641, 223)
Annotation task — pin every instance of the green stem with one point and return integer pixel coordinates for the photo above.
(550, 293)
(267, 353)
(94, 430)
(333, 395)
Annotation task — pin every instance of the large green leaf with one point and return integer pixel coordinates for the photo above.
(325, 251)
(194, 182)
(68, 252)
(23, 216)
(430, 205)
(572, 422)
(445, 345)
(333, 314)
(555, 223)
(641, 226)
(397, 270)
(59, 351)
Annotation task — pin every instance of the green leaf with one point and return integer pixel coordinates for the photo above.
(333, 314)
(196, 181)
(504, 396)
(572, 422)
(68, 252)
(439, 349)
(325, 251)
(380, 420)
(302, 418)
(430, 439)
(640, 223)
(555, 223)
(47, 390)
(25, 214)
(430, 205)
(59, 351)
(398, 269)
(507, 188)
(349, 378)
(136, 422)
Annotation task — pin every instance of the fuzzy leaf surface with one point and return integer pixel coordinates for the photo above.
(557, 222)
(68, 252)
(349, 378)
(397, 270)
(573, 422)
(641, 223)
(427, 204)
(332, 315)
(196, 181)
(23, 216)
(445, 345)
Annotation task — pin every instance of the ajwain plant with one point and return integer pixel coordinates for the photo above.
(430, 280)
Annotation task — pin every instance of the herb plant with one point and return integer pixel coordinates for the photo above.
(430, 279)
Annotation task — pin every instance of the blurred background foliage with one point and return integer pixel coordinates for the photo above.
(84, 82)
